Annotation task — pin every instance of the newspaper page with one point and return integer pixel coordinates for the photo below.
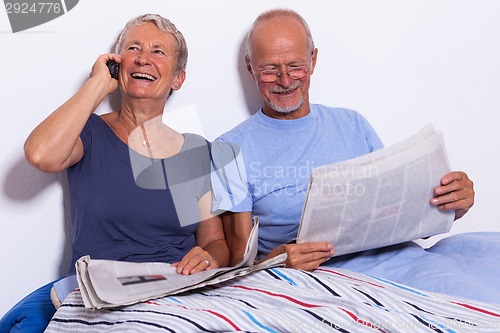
(378, 199)
(109, 283)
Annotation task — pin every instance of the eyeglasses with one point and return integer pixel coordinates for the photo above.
(272, 75)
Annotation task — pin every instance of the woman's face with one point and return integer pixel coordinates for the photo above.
(148, 62)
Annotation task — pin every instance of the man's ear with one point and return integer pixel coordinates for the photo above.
(313, 60)
(249, 68)
(179, 80)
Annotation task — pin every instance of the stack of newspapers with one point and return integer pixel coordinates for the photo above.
(109, 283)
(378, 199)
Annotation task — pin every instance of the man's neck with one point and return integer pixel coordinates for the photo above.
(303, 111)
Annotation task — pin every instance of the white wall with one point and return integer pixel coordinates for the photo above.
(401, 63)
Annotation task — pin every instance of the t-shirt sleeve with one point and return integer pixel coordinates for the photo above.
(86, 134)
(372, 138)
(229, 179)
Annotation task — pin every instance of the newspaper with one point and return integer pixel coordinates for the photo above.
(108, 283)
(378, 199)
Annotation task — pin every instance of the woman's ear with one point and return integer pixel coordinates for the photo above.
(179, 80)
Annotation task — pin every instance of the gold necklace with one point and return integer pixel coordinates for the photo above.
(145, 141)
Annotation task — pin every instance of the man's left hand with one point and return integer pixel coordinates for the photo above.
(455, 192)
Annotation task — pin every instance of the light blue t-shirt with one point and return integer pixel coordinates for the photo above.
(276, 159)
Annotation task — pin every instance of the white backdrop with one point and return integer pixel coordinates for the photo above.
(402, 64)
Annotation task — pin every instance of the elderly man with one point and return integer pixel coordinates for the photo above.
(284, 140)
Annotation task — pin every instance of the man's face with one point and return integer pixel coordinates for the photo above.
(148, 63)
(281, 46)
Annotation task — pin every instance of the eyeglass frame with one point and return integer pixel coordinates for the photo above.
(278, 73)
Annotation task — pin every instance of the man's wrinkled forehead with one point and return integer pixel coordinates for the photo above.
(279, 37)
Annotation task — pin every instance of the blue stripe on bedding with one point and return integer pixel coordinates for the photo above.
(280, 274)
(175, 299)
(401, 286)
(259, 324)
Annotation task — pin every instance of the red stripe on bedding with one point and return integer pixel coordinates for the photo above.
(200, 310)
(361, 321)
(468, 306)
(225, 319)
(291, 299)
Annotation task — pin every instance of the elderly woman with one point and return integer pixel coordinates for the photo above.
(139, 191)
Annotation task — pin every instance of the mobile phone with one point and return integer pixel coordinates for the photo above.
(114, 67)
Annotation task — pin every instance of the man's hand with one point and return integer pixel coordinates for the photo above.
(456, 192)
(305, 256)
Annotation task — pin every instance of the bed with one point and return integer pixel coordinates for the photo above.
(330, 299)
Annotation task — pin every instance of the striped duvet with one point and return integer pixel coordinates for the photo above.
(288, 300)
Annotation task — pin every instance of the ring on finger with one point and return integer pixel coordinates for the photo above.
(206, 261)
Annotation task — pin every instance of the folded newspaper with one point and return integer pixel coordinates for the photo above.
(109, 283)
(378, 199)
